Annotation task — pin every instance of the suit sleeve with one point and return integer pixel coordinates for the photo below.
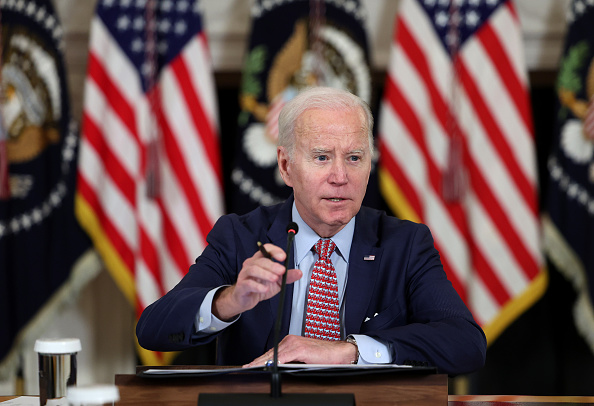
(426, 322)
(169, 323)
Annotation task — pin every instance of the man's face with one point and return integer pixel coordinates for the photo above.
(330, 168)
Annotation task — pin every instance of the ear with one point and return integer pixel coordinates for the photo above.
(282, 158)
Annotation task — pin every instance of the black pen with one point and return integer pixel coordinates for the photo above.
(263, 250)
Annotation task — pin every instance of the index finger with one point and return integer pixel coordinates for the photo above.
(272, 251)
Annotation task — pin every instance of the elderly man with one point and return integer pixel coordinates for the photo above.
(364, 287)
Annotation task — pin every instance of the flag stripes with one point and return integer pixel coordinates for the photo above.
(489, 239)
(154, 239)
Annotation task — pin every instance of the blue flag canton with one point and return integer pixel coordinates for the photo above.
(176, 23)
(457, 20)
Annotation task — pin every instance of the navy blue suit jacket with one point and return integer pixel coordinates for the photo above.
(402, 297)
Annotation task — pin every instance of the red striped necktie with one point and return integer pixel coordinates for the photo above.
(322, 315)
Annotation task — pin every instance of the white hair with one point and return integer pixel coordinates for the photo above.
(324, 98)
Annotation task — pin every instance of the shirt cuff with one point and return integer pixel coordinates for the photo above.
(372, 351)
(206, 322)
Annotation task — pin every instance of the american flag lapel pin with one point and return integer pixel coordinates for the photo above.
(369, 258)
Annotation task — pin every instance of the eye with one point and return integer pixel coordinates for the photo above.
(354, 158)
(321, 158)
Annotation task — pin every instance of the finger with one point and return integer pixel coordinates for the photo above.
(294, 275)
(275, 252)
(270, 275)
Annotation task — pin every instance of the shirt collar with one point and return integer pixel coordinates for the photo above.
(306, 238)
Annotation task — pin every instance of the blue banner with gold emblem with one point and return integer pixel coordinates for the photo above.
(294, 44)
(40, 241)
(569, 224)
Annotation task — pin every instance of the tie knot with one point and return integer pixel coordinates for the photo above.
(324, 248)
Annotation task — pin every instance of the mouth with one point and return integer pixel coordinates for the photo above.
(335, 199)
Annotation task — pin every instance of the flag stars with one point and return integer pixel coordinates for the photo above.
(123, 22)
(164, 26)
(182, 6)
(30, 10)
(55, 199)
(108, 3)
(197, 9)
(40, 15)
(68, 154)
(140, 3)
(46, 209)
(50, 22)
(138, 24)
(26, 222)
(15, 227)
(430, 3)
(350, 6)
(125, 3)
(573, 190)
(37, 216)
(69, 147)
(58, 31)
(579, 7)
(472, 18)
(166, 6)
(137, 45)
(441, 19)
(180, 27)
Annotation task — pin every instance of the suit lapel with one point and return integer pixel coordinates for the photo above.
(364, 262)
(362, 273)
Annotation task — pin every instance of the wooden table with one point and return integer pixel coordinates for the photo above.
(512, 400)
(493, 400)
(370, 390)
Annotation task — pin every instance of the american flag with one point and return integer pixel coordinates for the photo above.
(148, 238)
(457, 149)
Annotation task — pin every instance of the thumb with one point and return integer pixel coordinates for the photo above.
(293, 275)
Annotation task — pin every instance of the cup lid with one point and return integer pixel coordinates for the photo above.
(92, 394)
(57, 345)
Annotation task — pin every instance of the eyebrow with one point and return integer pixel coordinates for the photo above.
(325, 151)
(320, 150)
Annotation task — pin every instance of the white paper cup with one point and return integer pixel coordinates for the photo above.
(93, 395)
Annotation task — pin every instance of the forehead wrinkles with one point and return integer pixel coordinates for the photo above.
(307, 131)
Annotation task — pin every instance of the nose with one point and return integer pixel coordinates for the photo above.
(338, 173)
